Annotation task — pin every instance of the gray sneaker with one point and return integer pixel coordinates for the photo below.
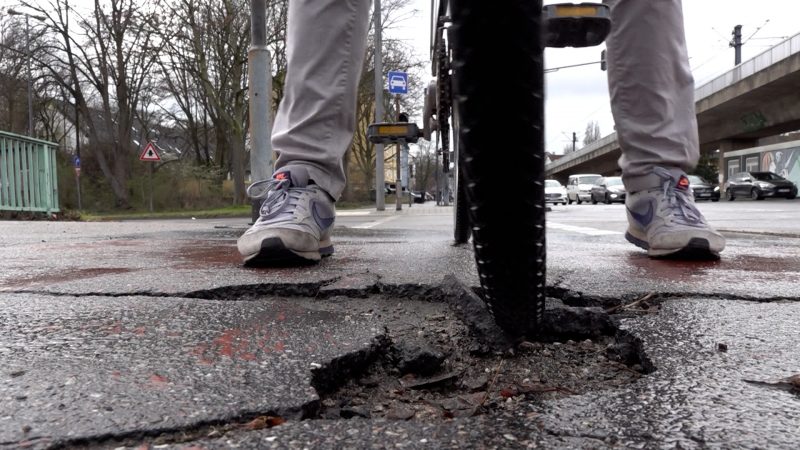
(295, 222)
(665, 221)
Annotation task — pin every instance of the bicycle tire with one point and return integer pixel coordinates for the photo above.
(498, 91)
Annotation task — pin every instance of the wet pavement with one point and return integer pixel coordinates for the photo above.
(112, 334)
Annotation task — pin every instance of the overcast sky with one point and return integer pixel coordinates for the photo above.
(578, 95)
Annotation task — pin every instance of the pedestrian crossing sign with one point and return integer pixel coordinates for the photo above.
(149, 153)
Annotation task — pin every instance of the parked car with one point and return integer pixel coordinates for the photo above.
(607, 190)
(759, 185)
(703, 190)
(554, 192)
(579, 187)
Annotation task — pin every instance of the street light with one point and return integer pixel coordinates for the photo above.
(12, 12)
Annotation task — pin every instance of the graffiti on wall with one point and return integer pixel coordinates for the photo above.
(785, 163)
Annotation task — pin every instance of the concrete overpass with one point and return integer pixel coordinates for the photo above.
(758, 98)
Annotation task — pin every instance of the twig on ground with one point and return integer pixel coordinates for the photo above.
(614, 309)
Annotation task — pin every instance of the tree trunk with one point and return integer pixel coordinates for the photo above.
(237, 169)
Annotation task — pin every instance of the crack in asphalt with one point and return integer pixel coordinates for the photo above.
(175, 435)
(433, 293)
(325, 379)
(334, 373)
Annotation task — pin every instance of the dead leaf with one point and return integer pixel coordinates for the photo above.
(261, 422)
(508, 393)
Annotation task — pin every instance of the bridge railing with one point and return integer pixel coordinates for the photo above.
(28, 176)
(564, 160)
(765, 59)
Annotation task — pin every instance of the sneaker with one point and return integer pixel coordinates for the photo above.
(665, 221)
(294, 224)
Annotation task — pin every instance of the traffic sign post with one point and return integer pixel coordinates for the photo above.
(398, 82)
(150, 154)
(77, 164)
(398, 85)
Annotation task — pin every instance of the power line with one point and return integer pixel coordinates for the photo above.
(555, 69)
(757, 30)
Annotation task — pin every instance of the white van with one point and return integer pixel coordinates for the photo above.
(579, 187)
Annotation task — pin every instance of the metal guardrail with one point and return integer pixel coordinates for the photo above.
(28, 175)
(765, 59)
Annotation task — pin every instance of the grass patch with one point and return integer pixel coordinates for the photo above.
(228, 211)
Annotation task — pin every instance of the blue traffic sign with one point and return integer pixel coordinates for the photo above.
(77, 162)
(398, 83)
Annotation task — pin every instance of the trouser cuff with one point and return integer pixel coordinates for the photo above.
(649, 181)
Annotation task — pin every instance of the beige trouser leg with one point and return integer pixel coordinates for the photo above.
(652, 90)
(314, 126)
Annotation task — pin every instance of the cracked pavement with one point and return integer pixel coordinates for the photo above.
(113, 334)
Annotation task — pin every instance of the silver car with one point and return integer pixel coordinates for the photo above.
(554, 192)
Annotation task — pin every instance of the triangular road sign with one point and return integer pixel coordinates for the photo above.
(149, 153)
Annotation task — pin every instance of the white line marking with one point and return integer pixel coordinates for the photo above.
(581, 230)
(353, 213)
(376, 223)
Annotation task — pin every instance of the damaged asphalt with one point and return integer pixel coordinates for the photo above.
(152, 333)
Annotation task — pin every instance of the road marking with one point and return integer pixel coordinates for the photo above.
(581, 230)
(354, 213)
(376, 223)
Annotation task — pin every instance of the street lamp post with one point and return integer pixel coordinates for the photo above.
(13, 12)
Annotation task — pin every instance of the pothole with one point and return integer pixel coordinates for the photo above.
(438, 357)
(433, 365)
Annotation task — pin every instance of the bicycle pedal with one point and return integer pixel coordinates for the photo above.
(576, 25)
(393, 132)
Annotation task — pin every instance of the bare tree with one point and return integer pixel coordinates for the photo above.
(187, 77)
(16, 40)
(592, 132)
(12, 77)
(104, 65)
(208, 54)
(397, 55)
(425, 167)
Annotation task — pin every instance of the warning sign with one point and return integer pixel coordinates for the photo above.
(149, 153)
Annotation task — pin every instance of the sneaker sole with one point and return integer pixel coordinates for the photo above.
(698, 249)
(274, 253)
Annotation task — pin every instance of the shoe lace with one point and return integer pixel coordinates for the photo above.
(276, 194)
(679, 202)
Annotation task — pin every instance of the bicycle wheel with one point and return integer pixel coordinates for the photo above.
(498, 92)
(461, 228)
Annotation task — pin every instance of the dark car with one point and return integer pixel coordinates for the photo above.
(608, 190)
(759, 185)
(703, 190)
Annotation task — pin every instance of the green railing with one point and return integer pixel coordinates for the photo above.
(28, 176)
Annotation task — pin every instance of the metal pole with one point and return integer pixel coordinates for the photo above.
(398, 183)
(30, 83)
(436, 175)
(150, 176)
(78, 149)
(736, 43)
(380, 201)
(260, 98)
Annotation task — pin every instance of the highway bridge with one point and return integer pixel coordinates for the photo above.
(757, 99)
